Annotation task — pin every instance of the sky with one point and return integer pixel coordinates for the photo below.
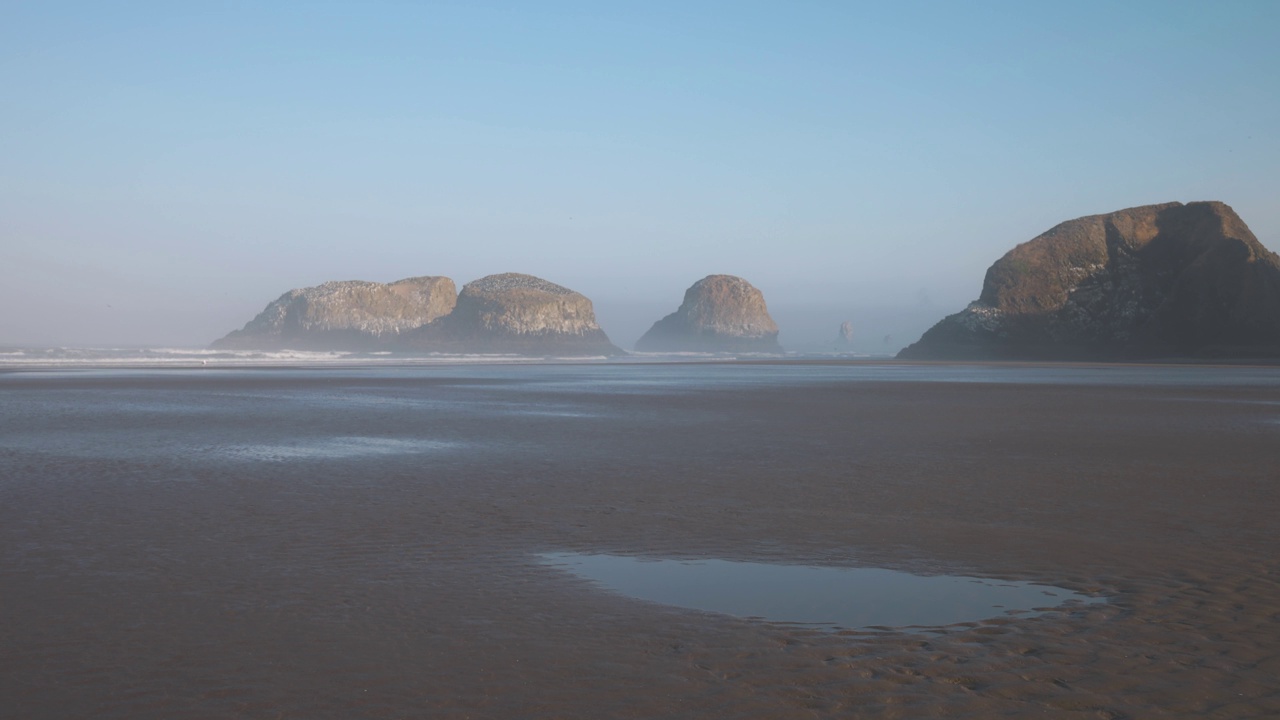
(167, 169)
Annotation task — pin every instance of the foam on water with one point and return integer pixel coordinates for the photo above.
(637, 371)
(65, 357)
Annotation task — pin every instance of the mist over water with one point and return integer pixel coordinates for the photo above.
(804, 325)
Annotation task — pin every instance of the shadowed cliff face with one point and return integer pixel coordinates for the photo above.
(515, 313)
(345, 315)
(1164, 280)
(720, 313)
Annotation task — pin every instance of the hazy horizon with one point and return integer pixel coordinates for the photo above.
(169, 170)
(803, 328)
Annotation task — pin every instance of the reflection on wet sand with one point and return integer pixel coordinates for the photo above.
(840, 597)
(146, 573)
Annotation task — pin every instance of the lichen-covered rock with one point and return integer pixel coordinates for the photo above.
(515, 313)
(1168, 280)
(720, 313)
(345, 315)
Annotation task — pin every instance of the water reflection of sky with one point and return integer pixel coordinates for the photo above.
(628, 377)
(297, 413)
(336, 448)
(826, 596)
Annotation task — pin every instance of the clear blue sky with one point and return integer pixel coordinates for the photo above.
(168, 168)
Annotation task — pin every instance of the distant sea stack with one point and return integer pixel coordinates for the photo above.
(720, 313)
(1159, 281)
(346, 315)
(515, 313)
(846, 333)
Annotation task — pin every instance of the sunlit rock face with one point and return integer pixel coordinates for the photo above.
(1168, 280)
(720, 313)
(346, 315)
(515, 313)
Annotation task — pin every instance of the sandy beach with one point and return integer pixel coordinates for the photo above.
(150, 572)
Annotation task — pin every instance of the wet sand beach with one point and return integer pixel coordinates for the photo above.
(363, 544)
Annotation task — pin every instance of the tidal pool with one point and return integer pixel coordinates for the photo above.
(852, 598)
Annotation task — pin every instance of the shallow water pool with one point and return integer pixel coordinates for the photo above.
(834, 597)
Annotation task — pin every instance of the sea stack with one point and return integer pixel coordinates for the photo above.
(345, 315)
(521, 314)
(720, 313)
(846, 333)
(1159, 281)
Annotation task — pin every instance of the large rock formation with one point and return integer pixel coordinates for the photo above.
(1167, 280)
(720, 313)
(346, 315)
(514, 313)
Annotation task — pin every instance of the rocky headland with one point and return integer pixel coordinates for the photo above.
(720, 313)
(345, 315)
(1158, 281)
(516, 313)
